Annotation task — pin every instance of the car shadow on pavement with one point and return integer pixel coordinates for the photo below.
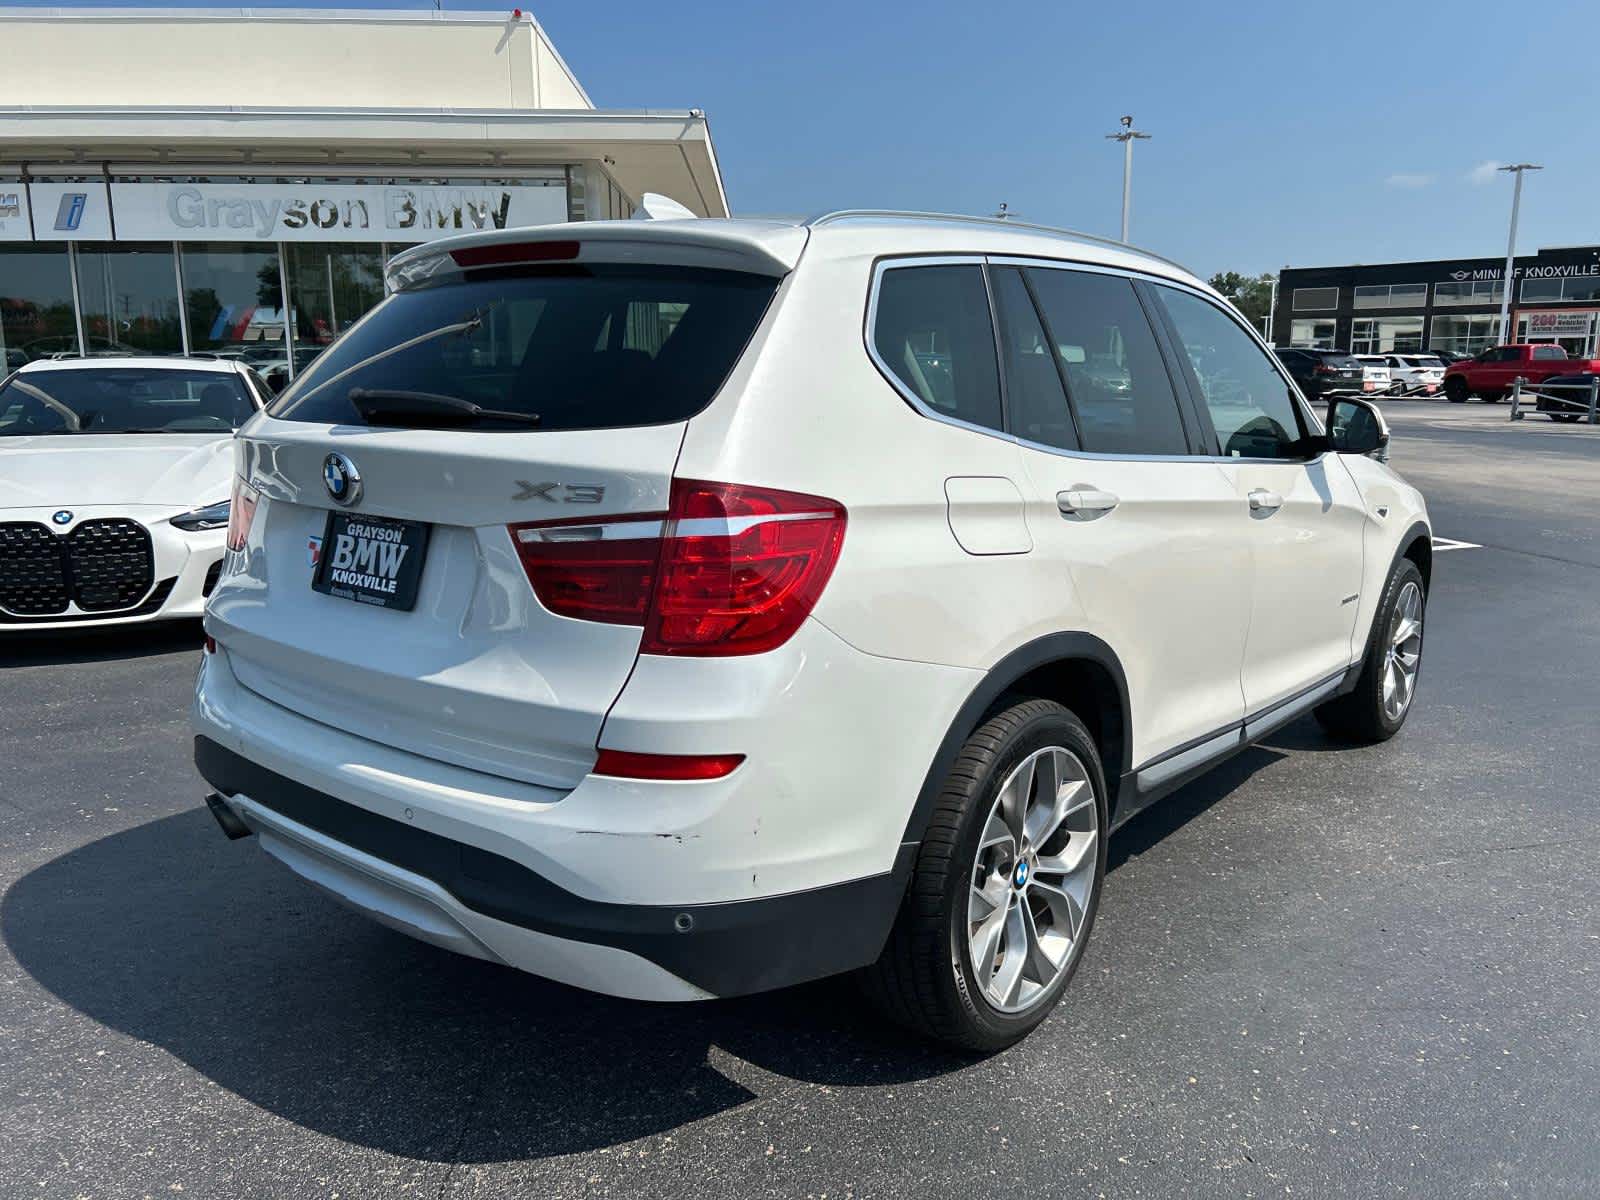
(211, 951)
(61, 647)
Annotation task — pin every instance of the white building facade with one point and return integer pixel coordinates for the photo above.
(231, 181)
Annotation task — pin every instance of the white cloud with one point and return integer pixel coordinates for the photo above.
(1408, 179)
(1484, 171)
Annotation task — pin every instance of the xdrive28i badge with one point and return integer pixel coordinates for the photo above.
(341, 478)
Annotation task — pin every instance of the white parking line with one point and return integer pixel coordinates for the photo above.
(1440, 543)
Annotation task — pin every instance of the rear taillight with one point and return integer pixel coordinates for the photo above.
(241, 512)
(1324, 369)
(728, 569)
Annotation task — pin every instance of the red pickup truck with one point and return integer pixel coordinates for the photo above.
(1491, 374)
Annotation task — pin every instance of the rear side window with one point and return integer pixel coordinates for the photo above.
(1115, 374)
(932, 331)
(586, 347)
(1549, 352)
(1249, 401)
(1036, 403)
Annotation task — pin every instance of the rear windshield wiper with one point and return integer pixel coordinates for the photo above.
(470, 324)
(420, 408)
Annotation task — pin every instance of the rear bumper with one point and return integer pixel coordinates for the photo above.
(479, 903)
(789, 868)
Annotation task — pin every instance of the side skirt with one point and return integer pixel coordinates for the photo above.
(1165, 774)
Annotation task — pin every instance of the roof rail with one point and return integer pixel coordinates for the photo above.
(1003, 222)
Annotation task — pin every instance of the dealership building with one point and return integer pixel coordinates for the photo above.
(231, 181)
(1446, 304)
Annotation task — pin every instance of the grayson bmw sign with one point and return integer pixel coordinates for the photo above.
(340, 477)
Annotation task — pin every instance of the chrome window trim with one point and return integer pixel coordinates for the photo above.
(977, 258)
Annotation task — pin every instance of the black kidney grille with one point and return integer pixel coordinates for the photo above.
(103, 565)
(111, 563)
(33, 571)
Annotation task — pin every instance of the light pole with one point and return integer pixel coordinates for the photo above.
(1511, 246)
(1272, 308)
(1127, 136)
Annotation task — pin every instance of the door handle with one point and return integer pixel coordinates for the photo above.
(1085, 502)
(1262, 500)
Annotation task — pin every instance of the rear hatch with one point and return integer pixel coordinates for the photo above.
(377, 587)
(1343, 369)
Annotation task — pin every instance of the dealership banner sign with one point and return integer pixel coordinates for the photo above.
(55, 212)
(265, 212)
(14, 223)
(1557, 324)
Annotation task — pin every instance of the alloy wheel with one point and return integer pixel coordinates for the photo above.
(1033, 879)
(1404, 653)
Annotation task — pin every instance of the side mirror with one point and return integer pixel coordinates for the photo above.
(1357, 427)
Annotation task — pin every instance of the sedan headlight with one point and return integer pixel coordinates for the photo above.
(212, 516)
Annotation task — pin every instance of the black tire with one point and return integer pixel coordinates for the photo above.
(923, 980)
(1359, 716)
(1455, 390)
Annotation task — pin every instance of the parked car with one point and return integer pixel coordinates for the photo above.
(114, 488)
(827, 613)
(1565, 397)
(1491, 374)
(1323, 373)
(1448, 356)
(1415, 373)
(1375, 375)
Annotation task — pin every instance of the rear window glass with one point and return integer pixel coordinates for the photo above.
(587, 347)
(122, 400)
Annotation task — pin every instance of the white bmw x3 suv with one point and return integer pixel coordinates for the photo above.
(689, 608)
(114, 482)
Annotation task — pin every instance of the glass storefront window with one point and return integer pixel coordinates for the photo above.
(1464, 335)
(1313, 335)
(1385, 335)
(235, 301)
(36, 318)
(330, 288)
(1483, 292)
(129, 292)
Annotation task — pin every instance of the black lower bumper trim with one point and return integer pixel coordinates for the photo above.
(727, 949)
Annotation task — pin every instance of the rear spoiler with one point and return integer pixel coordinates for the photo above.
(758, 247)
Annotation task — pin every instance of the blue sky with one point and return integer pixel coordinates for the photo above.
(1283, 133)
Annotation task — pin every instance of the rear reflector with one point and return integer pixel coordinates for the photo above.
(500, 254)
(624, 765)
(729, 569)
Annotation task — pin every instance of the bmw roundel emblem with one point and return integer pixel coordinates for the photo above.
(341, 478)
(1022, 874)
(63, 517)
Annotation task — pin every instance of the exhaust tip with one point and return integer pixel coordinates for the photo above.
(226, 817)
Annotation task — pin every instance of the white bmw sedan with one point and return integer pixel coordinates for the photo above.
(115, 475)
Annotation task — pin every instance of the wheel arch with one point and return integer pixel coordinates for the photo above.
(1417, 545)
(1077, 670)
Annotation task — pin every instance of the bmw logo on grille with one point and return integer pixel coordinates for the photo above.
(341, 478)
(64, 517)
(1022, 874)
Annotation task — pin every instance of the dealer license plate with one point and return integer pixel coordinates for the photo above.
(371, 560)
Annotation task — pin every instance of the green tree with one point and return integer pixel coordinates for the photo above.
(1250, 294)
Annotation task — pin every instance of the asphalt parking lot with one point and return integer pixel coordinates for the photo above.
(1322, 971)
